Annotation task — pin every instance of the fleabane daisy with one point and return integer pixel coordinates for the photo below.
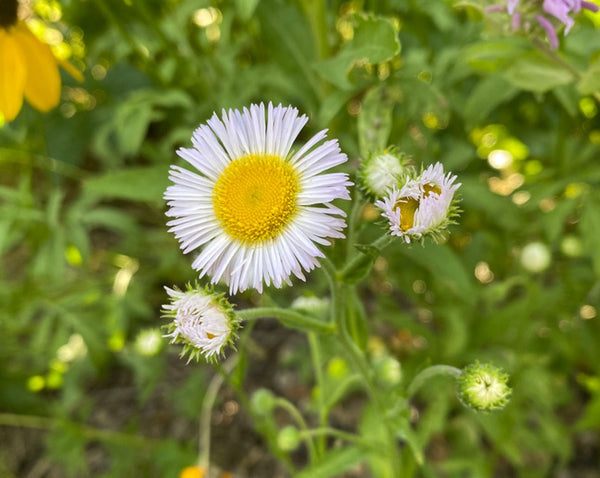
(423, 206)
(256, 209)
(201, 320)
(380, 172)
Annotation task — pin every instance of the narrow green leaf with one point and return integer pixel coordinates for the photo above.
(135, 184)
(374, 121)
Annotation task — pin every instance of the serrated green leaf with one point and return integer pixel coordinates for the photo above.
(375, 40)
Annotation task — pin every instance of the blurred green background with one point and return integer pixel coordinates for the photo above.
(88, 387)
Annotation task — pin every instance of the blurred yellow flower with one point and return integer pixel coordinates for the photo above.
(28, 68)
(193, 472)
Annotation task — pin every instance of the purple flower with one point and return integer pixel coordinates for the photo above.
(511, 5)
(560, 9)
(550, 31)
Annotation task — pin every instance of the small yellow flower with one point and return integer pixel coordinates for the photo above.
(193, 472)
(28, 68)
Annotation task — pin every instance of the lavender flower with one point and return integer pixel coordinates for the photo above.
(554, 9)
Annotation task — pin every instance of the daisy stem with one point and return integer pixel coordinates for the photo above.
(424, 375)
(339, 300)
(289, 318)
(343, 435)
(357, 206)
(206, 410)
(296, 415)
(315, 353)
(315, 13)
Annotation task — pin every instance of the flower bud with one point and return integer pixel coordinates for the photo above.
(148, 342)
(483, 387)
(383, 171)
(288, 438)
(262, 402)
(388, 371)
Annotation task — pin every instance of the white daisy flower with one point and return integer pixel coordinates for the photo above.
(202, 320)
(255, 209)
(381, 172)
(422, 206)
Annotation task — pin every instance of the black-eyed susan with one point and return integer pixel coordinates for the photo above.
(257, 208)
(28, 68)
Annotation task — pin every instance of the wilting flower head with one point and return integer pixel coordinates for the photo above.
(255, 208)
(548, 14)
(423, 206)
(28, 68)
(202, 320)
(380, 172)
(483, 387)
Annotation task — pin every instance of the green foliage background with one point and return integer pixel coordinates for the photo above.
(85, 250)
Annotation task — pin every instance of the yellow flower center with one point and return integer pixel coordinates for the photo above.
(408, 206)
(255, 197)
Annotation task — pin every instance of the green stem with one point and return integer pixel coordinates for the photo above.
(346, 436)
(297, 416)
(358, 204)
(289, 317)
(206, 411)
(424, 375)
(315, 353)
(316, 14)
(356, 356)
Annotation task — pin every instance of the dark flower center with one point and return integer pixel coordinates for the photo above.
(8, 13)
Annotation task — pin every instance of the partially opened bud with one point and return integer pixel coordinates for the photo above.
(202, 320)
(423, 206)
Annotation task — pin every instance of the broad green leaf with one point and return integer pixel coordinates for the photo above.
(490, 56)
(535, 72)
(375, 40)
(135, 184)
